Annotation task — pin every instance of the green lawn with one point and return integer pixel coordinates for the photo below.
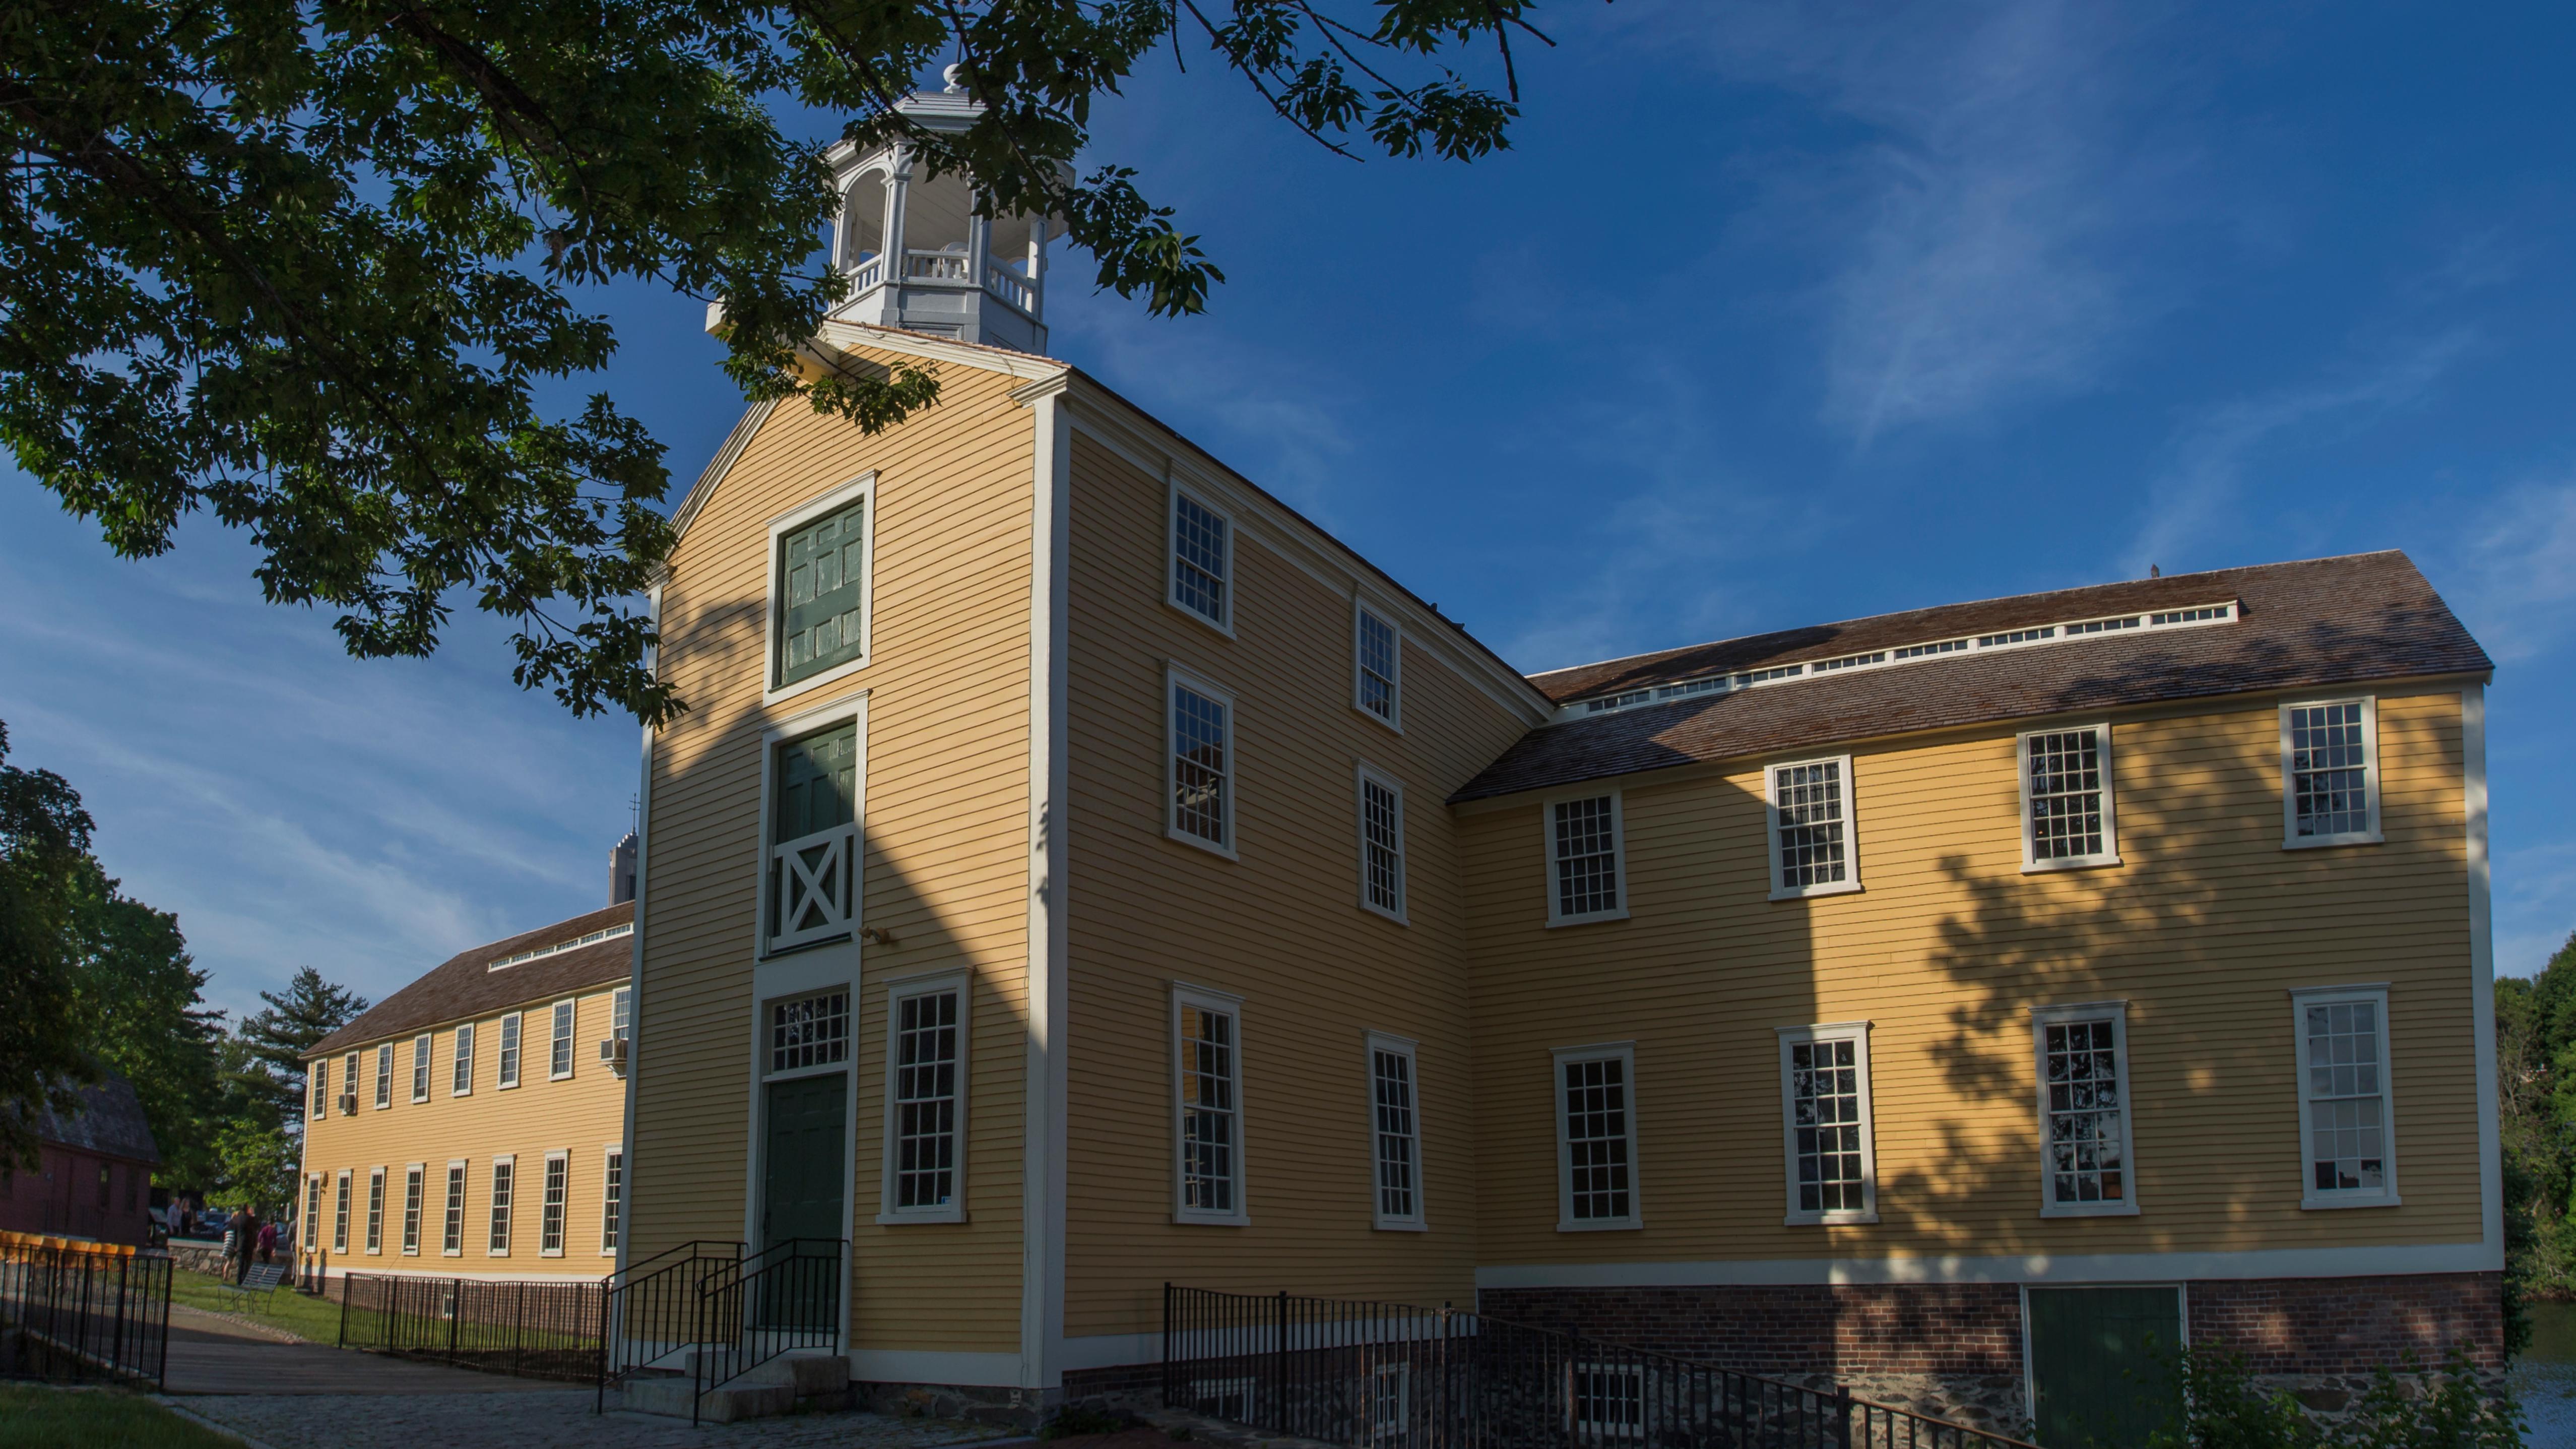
(317, 1319)
(40, 1418)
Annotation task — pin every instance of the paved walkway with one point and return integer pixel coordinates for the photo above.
(213, 1354)
(550, 1418)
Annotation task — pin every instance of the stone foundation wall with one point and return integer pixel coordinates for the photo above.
(1135, 1388)
(1002, 1406)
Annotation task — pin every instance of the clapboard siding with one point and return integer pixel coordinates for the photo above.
(580, 1116)
(947, 839)
(1281, 926)
(2202, 929)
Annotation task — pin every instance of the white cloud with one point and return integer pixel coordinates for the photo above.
(2194, 498)
(1985, 241)
(2518, 571)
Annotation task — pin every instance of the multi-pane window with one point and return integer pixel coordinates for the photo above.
(505, 1174)
(349, 1084)
(810, 1031)
(2330, 784)
(612, 1199)
(340, 1217)
(1202, 765)
(1376, 650)
(384, 1076)
(1598, 1143)
(559, 1043)
(461, 1070)
(1811, 834)
(1207, 1073)
(2083, 1090)
(322, 1087)
(2344, 1108)
(621, 1013)
(412, 1188)
(2066, 799)
(376, 1211)
(1583, 852)
(924, 1060)
(452, 1240)
(1202, 559)
(510, 1050)
(813, 867)
(1397, 1134)
(1825, 1100)
(312, 1212)
(1609, 1402)
(820, 594)
(1390, 1404)
(420, 1055)
(550, 1217)
(1381, 844)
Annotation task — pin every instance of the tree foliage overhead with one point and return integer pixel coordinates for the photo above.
(306, 264)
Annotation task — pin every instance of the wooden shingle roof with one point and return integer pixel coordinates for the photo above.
(2316, 624)
(466, 985)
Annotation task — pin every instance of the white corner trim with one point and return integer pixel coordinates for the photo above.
(2473, 764)
(635, 954)
(1043, 1178)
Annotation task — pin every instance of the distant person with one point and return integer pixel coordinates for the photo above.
(267, 1241)
(241, 1233)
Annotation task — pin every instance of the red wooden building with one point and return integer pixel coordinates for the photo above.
(94, 1179)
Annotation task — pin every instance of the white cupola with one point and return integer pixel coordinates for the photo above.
(917, 255)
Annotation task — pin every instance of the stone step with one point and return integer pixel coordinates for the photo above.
(775, 1387)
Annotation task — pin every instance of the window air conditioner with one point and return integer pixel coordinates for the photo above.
(612, 1050)
(348, 1104)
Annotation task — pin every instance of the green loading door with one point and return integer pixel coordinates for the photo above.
(2101, 1364)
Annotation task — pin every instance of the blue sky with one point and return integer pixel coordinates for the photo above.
(1776, 314)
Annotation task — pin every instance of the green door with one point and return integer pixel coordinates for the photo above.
(804, 1173)
(2101, 1364)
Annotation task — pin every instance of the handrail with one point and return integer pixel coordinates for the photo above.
(761, 1309)
(1379, 1373)
(650, 1314)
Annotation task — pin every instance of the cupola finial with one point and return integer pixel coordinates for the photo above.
(955, 77)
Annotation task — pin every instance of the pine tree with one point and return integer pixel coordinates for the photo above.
(275, 1040)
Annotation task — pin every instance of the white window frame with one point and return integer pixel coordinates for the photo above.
(320, 1077)
(1364, 776)
(460, 1072)
(1596, 1430)
(1172, 557)
(770, 1071)
(2301, 998)
(1176, 677)
(384, 1076)
(313, 1212)
(554, 1205)
(2041, 1019)
(1230, 1005)
(1377, 1042)
(424, 1059)
(562, 1025)
(2291, 839)
(1624, 1052)
(340, 1192)
(460, 1191)
(612, 1198)
(1618, 855)
(1823, 1033)
(853, 711)
(1781, 890)
(415, 1206)
(1361, 612)
(1380, 1431)
(510, 1059)
(2109, 854)
(863, 486)
(497, 1214)
(349, 1082)
(897, 993)
(375, 1212)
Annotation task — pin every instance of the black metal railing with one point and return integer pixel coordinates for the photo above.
(75, 1310)
(1394, 1376)
(648, 1311)
(785, 1297)
(529, 1330)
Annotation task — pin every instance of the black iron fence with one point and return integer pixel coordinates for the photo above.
(75, 1310)
(530, 1330)
(649, 1315)
(706, 1313)
(1393, 1376)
